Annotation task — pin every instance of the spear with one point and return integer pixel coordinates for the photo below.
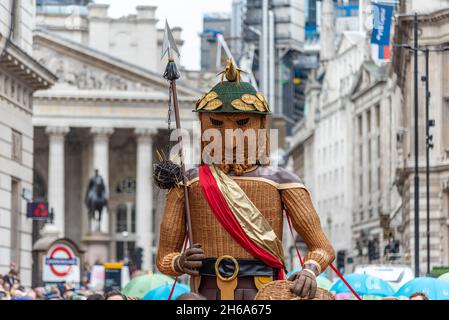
(171, 74)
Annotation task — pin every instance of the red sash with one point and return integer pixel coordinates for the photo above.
(224, 215)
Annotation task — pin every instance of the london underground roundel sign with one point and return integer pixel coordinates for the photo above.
(61, 264)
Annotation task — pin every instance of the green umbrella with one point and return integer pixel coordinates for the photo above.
(323, 283)
(140, 285)
(444, 277)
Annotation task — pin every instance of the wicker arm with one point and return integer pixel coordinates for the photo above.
(306, 222)
(172, 232)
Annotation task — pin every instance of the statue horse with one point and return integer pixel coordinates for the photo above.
(95, 199)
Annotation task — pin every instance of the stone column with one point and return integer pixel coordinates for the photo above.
(144, 195)
(101, 163)
(56, 192)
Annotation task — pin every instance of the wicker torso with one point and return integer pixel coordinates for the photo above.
(269, 191)
(210, 233)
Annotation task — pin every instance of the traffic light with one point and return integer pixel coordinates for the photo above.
(395, 246)
(341, 257)
(373, 250)
(137, 258)
(370, 250)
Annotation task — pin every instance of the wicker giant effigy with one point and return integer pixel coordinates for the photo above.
(235, 202)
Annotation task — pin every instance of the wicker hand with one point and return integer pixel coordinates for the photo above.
(191, 260)
(304, 283)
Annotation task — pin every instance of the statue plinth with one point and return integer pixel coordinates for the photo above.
(97, 245)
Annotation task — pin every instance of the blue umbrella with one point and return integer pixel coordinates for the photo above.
(435, 289)
(364, 285)
(163, 292)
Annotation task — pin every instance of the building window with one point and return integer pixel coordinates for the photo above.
(16, 146)
(378, 146)
(361, 185)
(379, 178)
(369, 181)
(368, 118)
(15, 220)
(361, 154)
(369, 151)
(19, 96)
(126, 218)
(133, 218)
(6, 86)
(377, 111)
(13, 89)
(121, 219)
(359, 121)
(17, 19)
(446, 129)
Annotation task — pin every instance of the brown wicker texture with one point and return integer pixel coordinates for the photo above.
(216, 241)
(307, 223)
(280, 290)
(229, 122)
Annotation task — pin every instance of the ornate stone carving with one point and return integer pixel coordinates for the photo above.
(54, 131)
(445, 185)
(145, 133)
(82, 75)
(102, 132)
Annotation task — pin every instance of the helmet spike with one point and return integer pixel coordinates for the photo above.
(231, 72)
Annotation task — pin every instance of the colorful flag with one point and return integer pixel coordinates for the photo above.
(380, 36)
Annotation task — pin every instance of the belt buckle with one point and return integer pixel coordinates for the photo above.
(236, 270)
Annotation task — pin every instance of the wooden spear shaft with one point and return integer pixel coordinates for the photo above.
(183, 170)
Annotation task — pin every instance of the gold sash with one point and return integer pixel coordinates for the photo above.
(249, 217)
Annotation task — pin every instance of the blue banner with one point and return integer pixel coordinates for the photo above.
(382, 15)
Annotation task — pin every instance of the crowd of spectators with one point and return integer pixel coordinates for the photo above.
(11, 288)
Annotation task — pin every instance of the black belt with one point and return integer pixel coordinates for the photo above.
(246, 268)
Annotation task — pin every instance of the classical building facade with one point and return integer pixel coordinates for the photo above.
(376, 212)
(321, 148)
(107, 112)
(434, 26)
(20, 77)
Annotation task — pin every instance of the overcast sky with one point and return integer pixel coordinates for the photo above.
(187, 14)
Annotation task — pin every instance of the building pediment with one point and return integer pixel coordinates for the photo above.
(83, 68)
(347, 40)
(344, 45)
(368, 75)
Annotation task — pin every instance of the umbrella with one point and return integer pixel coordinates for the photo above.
(163, 292)
(444, 277)
(140, 285)
(435, 289)
(364, 285)
(394, 285)
(345, 296)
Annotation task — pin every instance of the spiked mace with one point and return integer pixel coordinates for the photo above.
(172, 74)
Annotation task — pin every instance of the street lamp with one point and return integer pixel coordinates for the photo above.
(415, 50)
(429, 145)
